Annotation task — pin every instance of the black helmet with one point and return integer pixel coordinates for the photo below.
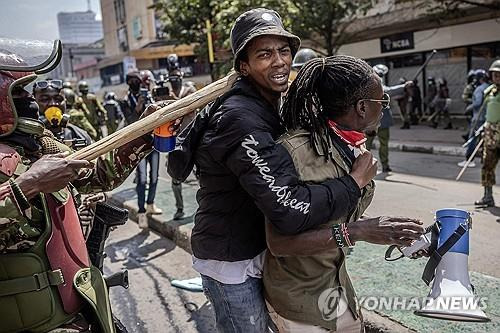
(480, 74)
(381, 69)
(258, 22)
(303, 56)
(110, 96)
(471, 75)
(173, 62)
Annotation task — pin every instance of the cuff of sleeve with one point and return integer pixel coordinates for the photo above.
(352, 186)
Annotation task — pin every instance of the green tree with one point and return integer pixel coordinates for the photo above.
(325, 22)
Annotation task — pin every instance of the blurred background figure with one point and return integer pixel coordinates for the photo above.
(77, 116)
(116, 120)
(481, 82)
(97, 114)
(415, 103)
(134, 104)
(431, 95)
(403, 99)
(442, 103)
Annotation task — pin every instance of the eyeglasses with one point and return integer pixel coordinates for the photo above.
(40, 85)
(385, 102)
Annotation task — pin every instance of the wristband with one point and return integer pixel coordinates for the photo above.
(337, 234)
(346, 235)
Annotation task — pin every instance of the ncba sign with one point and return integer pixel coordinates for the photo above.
(398, 42)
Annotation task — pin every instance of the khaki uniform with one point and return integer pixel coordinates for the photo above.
(293, 284)
(79, 118)
(491, 137)
(22, 227)
(97, 114)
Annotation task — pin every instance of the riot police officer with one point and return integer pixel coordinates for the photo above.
(97, 114)
(51, 100)
(491, 149)
(116, 120)
(47, 283)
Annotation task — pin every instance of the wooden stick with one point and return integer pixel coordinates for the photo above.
(470, 159)
(168, 113)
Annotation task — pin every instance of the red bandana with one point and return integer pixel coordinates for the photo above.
(353, 138)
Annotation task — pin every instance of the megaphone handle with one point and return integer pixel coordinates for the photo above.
(430, 267)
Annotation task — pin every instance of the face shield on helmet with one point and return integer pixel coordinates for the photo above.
(20, 63)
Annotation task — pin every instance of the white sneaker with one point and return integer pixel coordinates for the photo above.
(472, 164)
(152, 209)
(142, 220)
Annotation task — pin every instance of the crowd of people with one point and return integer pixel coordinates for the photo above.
(284, 175)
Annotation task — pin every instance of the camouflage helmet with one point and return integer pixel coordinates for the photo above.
(83, 87)
(495, 66)
(303, 56)
(70, 97)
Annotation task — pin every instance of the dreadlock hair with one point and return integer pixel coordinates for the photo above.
(324, 89)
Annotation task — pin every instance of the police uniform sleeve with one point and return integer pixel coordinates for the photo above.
(266, 171)
(111, 171)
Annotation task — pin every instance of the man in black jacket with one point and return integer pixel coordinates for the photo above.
(245, 177)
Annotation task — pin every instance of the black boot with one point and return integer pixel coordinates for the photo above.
(487, 200)
(406, 125)
(449, 126)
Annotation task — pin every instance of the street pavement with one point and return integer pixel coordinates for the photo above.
(419, 185)
(151, 304)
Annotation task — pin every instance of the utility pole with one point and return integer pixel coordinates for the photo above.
(88, 6)
(71, 62)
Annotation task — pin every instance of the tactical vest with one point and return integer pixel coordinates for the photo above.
(46, 286)
(492, 100)
(293, 284)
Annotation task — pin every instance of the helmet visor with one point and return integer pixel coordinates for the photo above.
(28, 55)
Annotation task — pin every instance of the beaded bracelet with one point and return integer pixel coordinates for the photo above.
(341, 235)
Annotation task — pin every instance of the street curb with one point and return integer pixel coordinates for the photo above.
(180, 234)
(425, 149)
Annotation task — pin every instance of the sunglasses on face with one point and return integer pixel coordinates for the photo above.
(40, 85)
(385, 101)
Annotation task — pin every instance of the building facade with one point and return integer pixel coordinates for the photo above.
(79, 27)
(402, 35)
(134, 38)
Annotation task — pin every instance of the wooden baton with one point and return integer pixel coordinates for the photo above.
(162, 116)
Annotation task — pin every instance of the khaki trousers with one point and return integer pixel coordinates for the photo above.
(346, 323)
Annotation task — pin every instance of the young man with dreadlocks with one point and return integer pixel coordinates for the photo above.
(328, 107)
(245, 175)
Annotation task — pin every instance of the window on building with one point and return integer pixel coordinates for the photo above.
(120, 13)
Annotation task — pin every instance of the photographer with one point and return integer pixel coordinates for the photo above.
(134, 104)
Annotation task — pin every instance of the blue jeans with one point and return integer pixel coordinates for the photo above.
(239, 308)
(154, 162)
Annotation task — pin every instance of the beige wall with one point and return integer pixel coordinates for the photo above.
(426, 40)
(109, 28)
(134, 9)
